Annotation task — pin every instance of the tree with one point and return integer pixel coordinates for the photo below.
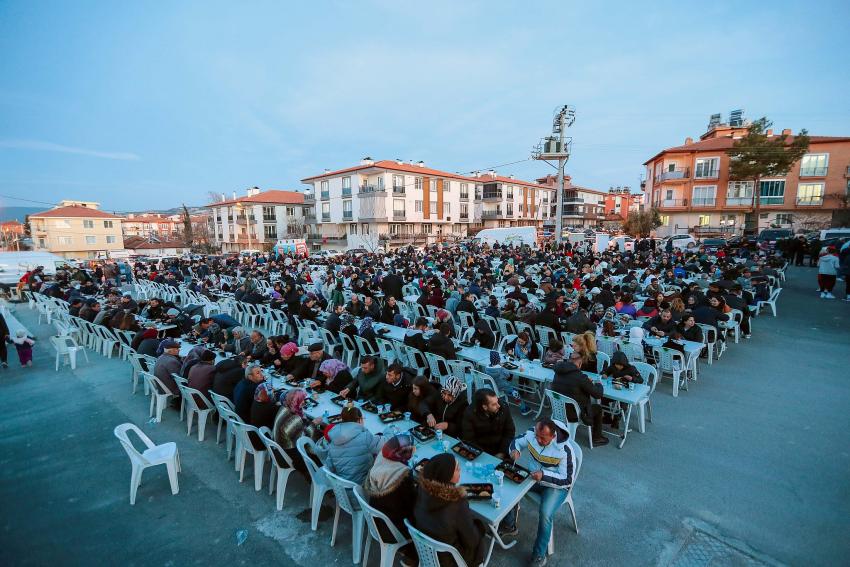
(188, 236)
(758, 155)
(642, 223)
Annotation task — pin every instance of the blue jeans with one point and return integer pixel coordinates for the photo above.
(506, 388)
(551, 500)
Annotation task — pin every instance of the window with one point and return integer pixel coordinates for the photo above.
(326, 212)
(704, 220)
(665, 220)
(346, 209)
(325, 190)
(417, 183)
(269, 214)
(772, 192)
(447, 186)
(42, 243)
(66, 240)
(417, 206)
(398, 208)
(783, 218)
(810, 194)
(510, 209)
(346, 186)
(669, 195)
(739, 193)
(447, 209)
(395, 229)
(88, 224)
(269, 231)
(464, 190)
(510, 191)
(727, 220)
(290, 211)
(91, 240)
(433, 210)
(671, 167)
(107, 224)
(110, 240)
(814, 165)
(704, 195)
(380, 183)
(706, 168)
(364, 228)
(464, 211)
(426, 228)
(352, 228)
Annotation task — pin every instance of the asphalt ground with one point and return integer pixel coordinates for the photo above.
(750, 466)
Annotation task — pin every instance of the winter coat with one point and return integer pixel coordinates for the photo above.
(351, 448)
(490, 432)
(451, 413)
(165, 365)
(367, 386)
(572, 382)
(395, 394)
(442, 345)
(201, 377)
(533, 351)
(442, 512)
(416, 339)
(628, 369)
(391, 490)
(228, 373)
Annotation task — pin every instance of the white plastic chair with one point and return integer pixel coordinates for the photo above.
(387, 350)
(438, 365)
(633, 351)
(650, 377)
(108, 341)
(67, 347)
(343, 490)
(389, 549)
(606, 345)
(559, 403)
(282, 466)
(319, 485)
(603, 360)
(190, 397)
(165, 454)
(244, 446)
(569, 501)
(672, 362)
(771, 301)
(160, 394)
(429, 549)
(222, 402)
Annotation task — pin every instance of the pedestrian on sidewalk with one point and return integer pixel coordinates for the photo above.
(827, 273)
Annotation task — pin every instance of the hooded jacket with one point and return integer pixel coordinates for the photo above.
(442, 512)
(442, 345)
(619, 357)
(351, 449)
(572, 382)
(391, 490)
(557, 460)
(451, 413)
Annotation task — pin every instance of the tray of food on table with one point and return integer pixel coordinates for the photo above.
(391, 416)
(466, 450)
(478, 490)
(513, 471)
(423, 433)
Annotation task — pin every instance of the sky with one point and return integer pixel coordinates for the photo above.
(149, 105)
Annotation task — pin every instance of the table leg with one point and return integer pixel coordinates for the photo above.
(542, 395)
(626, 430)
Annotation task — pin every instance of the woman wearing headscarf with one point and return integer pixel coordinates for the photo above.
(334, 375)
(390, 487)
(290, 424)
(367, 333)
(264, 406)
(288, 360)
(347, 325)
(442, 511)
(450, 407)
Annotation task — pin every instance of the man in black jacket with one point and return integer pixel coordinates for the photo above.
(441, 343)
(333, 323)
(572, 382)
(309, 367)
(392, 286)
(488, 425)
(228, 373)
(579, 323)
(661, 325)
(467, 305)
(395, 389)
(415, 337)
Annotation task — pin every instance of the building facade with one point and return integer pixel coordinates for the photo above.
(394, 203)
(78, 230)
(258, 219)
(691, 188)
(582, 207)
(159, 225)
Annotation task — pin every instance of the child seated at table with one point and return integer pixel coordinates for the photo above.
(501, 377)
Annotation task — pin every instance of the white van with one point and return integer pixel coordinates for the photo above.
(13, 265)
(835, 233)
(623, 243)
(511, 236)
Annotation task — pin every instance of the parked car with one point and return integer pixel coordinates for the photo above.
(681, 241)
(713, 244)
(772, 235)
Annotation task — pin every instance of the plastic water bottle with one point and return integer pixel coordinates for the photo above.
(441, 447)
(497, 490)
(325, 416)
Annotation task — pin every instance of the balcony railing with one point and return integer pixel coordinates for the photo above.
(371, 189)
(491, 214)
(813, 171)
(269, 218)
(399, 215)
(678, 173)
(309, 197)
(739, 201)
(326, 217)
(346, 215)
(493, 196)
(318, 236)
(464, 196)
(398, 190)
(703, 202)
(310, 219)
(674, 203)
(326, 195)
(346, 191)
(810, 201)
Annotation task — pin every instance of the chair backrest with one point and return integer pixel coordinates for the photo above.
(494, 325)
(559, 404)
(243, 431)
(603, 361)
(343, 490)
(191, 396)
(386, 348)
(505, 340)
(633, 351)
(546, 335)
(429, 549)
(156, 385)
(328, 339)
(372, 514)
(179, 380)
(667, 357)
(482, 380)
(709, 333)
(466, 319)
(506, 327)
(134, 454)
(222, 402)
(648, 373)
(416, 359)
(568, 337)
(306, 446)
(364, 347)
(521, 326)
(606, 345)
(437, 364)
(278, 455)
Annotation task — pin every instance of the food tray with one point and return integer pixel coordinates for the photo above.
(465, 344)
(370, 407)
(513, 471)
(389, 417)
(466, 451)
(423, 433)
(509, 366)
(295, 383)
(310, 403)
(478, 490)
(334, 419)
(340, 401)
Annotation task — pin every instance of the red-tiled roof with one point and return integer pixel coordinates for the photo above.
(486, 177)
(75, 212)
(140, 243)
(149, 218)
(272, 197)
(393, 166)
(726, 142)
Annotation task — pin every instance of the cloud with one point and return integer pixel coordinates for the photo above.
(40, 146)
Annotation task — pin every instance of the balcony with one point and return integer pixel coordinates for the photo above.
(814, 201)
(326, 195)
(813, 171)
(398, 190)
(492, 196)
(309, 197)
(310, 219)
(365, 189)
(703, 202)
(399, 216)
(316, 237)
(739, 201)
(346, 191)
(674, 203)
(346, 215)
(678, 174)
(491, 214)
(269, 218)
(326, 217)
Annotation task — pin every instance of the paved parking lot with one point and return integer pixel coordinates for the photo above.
(749, 467)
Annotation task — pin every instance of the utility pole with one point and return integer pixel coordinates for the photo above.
(557, 146)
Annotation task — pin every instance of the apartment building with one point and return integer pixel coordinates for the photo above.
(77, 229)
(691, 188)
(258, 219)
(582, 207)
(395, 203)
(158, 225)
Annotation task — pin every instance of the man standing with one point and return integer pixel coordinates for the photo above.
(488, 425)
(552, 462)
